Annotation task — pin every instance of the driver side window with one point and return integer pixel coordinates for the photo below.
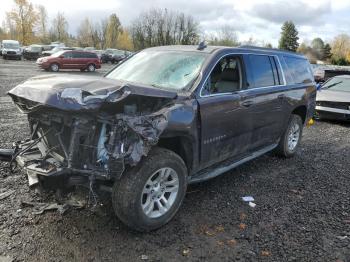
(226, 77)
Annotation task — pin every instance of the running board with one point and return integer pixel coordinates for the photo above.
(203, 176)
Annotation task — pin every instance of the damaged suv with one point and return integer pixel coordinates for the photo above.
(163, 118)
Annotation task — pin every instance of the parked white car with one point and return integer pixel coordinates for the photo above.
(11, 49)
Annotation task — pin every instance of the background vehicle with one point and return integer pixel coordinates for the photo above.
(333, 99)
(163, 118)
(55, 50)
(32, 52)
(11, 49)
(116, 56)
(70, 59)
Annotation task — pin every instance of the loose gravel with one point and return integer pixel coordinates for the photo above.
(302, 210)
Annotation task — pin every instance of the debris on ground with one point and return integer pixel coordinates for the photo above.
(248, 199)
(231, 242)
(144, 257)
(242, 226)
(265, 253)
(185, 252)
(40, 208)
(6, 194)
(251, 204)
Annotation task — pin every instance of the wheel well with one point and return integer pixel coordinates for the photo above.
(181, 146)
(300, 111)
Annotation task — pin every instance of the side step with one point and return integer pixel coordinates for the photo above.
(6, 154)
(209, 173)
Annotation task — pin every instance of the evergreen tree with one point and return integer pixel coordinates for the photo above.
(318, 47)
(327, 52)
(289, 37)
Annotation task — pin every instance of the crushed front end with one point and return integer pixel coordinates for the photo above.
(92, 142)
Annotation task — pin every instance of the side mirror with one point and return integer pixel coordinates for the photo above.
(61, 56)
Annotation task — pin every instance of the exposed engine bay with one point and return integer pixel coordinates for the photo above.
(100, 135)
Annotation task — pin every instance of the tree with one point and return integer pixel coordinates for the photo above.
(318, 48)
(327, 52)
(59, 29)
(112, 31)
(25, 19)
(124, 41)
(226, 36)
(86, 33)
(289, 37)
(42, 23)
(163, 27)
(340, 46)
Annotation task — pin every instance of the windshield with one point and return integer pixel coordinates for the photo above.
(338, 84)
(35, 48)
(57, 54)
(163, 69)
(11, 46)
(56, 49)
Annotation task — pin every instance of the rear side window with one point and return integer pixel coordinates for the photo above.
(299, 69)
(264, 70)
(89, 55)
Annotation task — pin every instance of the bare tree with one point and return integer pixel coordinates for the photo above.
(163, 27)
(225, 36)
(42, 23)
(59, 29)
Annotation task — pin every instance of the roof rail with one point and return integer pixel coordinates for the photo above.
(268, 49)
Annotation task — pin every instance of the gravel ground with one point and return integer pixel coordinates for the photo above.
(302, 211)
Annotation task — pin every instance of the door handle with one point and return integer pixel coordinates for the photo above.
(248, 103)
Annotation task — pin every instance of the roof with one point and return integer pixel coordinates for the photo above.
(211, 49)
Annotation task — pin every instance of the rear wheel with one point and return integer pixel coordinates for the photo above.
(149, 195)
(291, 138)
(54, 67)
(91, 67)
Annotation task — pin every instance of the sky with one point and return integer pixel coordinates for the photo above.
(259, 19)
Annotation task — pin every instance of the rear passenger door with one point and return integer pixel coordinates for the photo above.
(263, 98)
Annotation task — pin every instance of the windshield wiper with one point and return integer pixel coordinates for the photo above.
(326, 87)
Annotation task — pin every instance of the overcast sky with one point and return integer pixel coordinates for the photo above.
(260, 19)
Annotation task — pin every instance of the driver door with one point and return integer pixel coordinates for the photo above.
(226, 129)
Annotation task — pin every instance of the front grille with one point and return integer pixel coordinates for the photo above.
(337, 105)
(11, 52)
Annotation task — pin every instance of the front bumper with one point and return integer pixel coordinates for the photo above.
(332, 113)
(43, 65)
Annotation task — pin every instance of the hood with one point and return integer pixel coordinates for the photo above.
(68, 92)
(333, 96)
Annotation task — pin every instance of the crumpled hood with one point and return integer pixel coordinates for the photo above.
(333, 96)
(75, 92)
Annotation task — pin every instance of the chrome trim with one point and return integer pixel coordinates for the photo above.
(333, 110)
(237, 92)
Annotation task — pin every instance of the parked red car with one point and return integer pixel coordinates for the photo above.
(70, 59)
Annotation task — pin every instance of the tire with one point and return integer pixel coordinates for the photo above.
(130, 200)
(54, 67)
(291, 138)
(91, 68)
(5, 57)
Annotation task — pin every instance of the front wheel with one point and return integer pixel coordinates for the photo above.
(291, 138)
(54, 67)
(149, 195)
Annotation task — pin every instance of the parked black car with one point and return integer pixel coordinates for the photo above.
(164, 118)
(32, 52)
(333, 99)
